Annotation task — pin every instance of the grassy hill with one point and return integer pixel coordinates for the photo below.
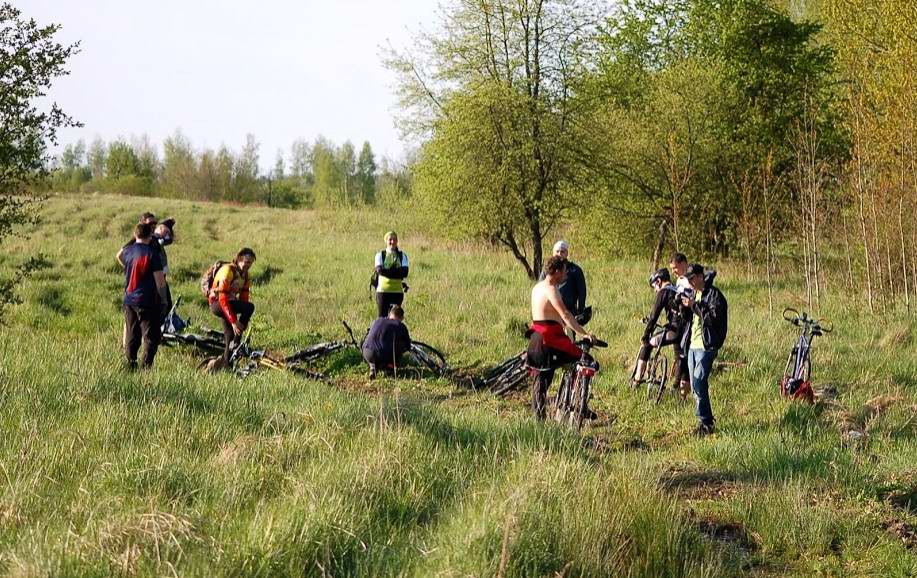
(172, 472)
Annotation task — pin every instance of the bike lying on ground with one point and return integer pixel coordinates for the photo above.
(657, 366)
(797, 375)
(512, 373)
(575, 387)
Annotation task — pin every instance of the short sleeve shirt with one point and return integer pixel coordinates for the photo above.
(141, 261)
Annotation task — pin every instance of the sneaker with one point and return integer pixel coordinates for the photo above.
(703, 430)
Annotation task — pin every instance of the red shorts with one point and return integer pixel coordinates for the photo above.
(553, 336)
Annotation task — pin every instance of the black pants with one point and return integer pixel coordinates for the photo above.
(679, 364)
(141, 325)
(386, 300)
(244, 311)
(546, 360)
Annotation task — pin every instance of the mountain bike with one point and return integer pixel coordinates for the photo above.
(797, 375)
(575, 387)
(512, 373)
(429, 357)
(325, 348)
(657, 368)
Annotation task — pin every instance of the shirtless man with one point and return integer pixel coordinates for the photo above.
(549, 347)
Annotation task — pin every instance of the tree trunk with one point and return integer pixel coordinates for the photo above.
(660, 244)
(767, 224)
(907, 295)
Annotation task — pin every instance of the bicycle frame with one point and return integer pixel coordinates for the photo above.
(797, 383)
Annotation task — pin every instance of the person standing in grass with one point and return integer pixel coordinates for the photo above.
(549, 347)
(573, 288)
(391, 269)
(704, 334)
(144, 297)
(229, 299)
(388, 339)
(679, 265)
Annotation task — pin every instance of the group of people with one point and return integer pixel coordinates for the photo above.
(696, 325)
(695, 310)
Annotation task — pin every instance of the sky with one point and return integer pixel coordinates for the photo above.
(219, 69)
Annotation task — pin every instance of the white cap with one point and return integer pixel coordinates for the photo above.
(561, 246)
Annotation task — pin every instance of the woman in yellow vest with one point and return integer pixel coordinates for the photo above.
(392, 269)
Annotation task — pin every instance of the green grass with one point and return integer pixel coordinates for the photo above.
(173, 472)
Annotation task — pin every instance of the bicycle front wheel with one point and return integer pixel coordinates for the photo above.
(429, 357)
(580, 395)
(656, 378)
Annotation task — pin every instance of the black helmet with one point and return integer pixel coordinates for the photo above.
(660, 275)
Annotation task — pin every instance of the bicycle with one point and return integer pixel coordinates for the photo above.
(325, 348)
(513, 372)
(657, 367)
(575, 387)
(429, 357)
(797, 375)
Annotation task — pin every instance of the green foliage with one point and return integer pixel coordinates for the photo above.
(30, 60)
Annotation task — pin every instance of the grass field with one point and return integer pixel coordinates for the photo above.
(172, 472)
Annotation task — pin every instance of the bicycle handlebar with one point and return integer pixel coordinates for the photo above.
(803, 319)
(591, 343)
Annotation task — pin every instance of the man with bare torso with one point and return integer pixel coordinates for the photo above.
(549, 347)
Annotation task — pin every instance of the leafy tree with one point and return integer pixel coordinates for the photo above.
(179, 167)
(495, 94)
(327, 174)
(366, 174)
(121, 161)
(30, 59)
(98, 154)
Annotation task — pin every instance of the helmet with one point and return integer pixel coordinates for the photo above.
(660, 275)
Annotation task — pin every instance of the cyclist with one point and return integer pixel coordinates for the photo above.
(704, 334)
(388, 339)
(549, 347)
(573, 288)
(229, 299)
(391, 268)
(668, 301)
(144, 297)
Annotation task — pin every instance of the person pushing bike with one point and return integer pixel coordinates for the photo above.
(549, 347)
(229, 299)
(668, 301)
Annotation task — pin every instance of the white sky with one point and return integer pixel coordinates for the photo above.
(218, 69)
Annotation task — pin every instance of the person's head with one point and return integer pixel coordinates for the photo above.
(396, 312)
(391, 240)
(695, 276)
(679, 264)
(164, 232)
(555, 269)
(244, 259)
(561, 249)
(143, 231)
(149, 218)
(660, 279)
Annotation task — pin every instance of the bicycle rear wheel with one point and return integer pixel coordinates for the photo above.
(657, 375)
(429, 357)
(510, 381)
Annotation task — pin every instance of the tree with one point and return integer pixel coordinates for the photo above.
(347, 166)
(179, 167)
(98, 155)
(366, 174)
(122, 161)
(495, 96)
(30, 60)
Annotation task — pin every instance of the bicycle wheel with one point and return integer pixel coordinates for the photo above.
(314, 352)
(656, 378)
(788, 373)
(580, 397)
(429, 357)
(503, 367)
(510, 381)
(563, 400)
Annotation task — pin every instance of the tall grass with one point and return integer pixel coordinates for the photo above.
(172, 472)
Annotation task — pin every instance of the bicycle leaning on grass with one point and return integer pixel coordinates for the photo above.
(797, 375)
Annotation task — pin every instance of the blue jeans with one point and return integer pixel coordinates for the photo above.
(700, 364)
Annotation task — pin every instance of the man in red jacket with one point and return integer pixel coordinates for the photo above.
(229, 298)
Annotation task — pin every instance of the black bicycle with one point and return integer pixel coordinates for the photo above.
(657, 367)
(323, 349)
(429, 357)
(576, 387)
(797, 375)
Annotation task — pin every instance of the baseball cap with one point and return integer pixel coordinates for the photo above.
(694, 269)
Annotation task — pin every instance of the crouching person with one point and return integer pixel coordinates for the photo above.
(388, 339)
(229, 299)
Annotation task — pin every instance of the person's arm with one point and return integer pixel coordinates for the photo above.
(245, 293)
(221, 284)
(653, 317)
(570, 321)
(119, 256)
(397, 271)
(581, 297)
(707, 311)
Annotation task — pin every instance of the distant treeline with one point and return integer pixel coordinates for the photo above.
(318, 173)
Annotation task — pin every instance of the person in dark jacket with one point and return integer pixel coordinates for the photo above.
(573, 288)
(666, 301)
(388, 339)
(704, 334)
(144, 297)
